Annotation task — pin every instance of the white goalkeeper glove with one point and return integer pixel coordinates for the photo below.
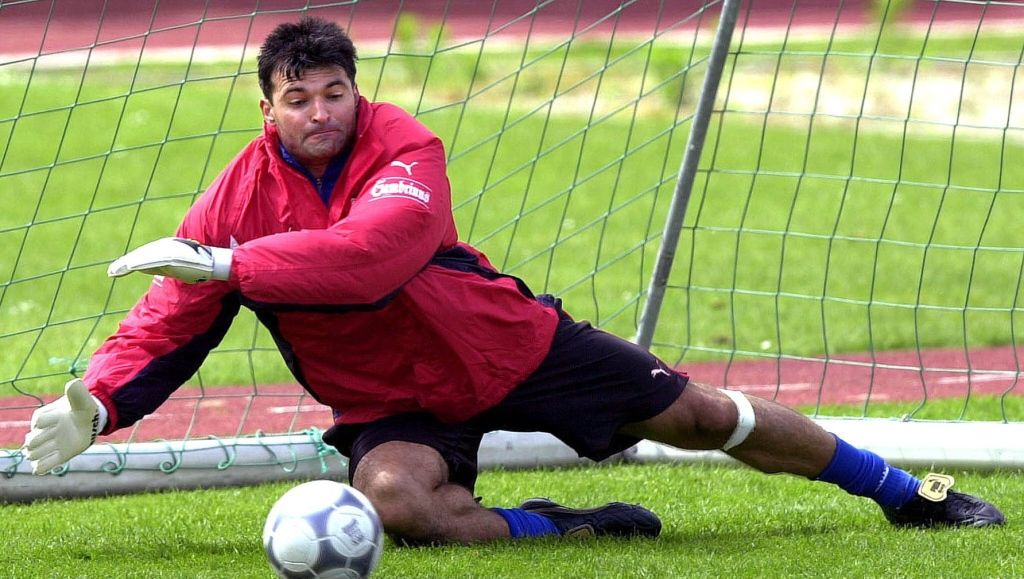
(187, 260)
(63, 428)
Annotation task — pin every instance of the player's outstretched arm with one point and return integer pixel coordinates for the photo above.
(177, 257)
(63, 428)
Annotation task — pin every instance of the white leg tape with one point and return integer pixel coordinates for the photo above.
(744, 422)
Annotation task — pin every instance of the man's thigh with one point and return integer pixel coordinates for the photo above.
(423, 439)
(400, 465)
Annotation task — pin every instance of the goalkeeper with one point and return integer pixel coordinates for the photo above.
(335, 227)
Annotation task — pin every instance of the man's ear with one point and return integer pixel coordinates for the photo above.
(268, 111)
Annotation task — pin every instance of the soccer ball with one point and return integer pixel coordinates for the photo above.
(323, 529)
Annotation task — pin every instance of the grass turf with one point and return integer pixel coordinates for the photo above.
(718, 521)
(811, 232)
(792, 240)
(120, 167)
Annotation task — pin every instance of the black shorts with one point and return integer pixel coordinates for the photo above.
(590, 385)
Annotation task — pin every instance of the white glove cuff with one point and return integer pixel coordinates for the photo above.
(221, 263)
(103, 416)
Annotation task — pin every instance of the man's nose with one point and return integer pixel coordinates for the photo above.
(318, 112)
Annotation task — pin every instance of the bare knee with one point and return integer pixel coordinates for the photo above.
(399, 479)
(702, 418)
(394, 495)
(408, 485)
(762, 434)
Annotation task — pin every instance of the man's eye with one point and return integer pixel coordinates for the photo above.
(297, 103)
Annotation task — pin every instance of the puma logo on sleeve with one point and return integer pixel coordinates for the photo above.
(408, 168)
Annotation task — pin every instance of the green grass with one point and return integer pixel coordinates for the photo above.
(817, 235)
(977, 407)
(718, 522)
(812, 234)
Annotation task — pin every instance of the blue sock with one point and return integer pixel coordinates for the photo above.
(525, 524)
(865, 474)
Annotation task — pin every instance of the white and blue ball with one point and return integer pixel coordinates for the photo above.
(323, 529)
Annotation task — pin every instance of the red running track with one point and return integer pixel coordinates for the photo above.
(51, 26)
(849, 379)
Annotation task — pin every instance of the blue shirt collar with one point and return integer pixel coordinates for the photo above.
(324, 185)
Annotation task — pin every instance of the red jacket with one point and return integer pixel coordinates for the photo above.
(372, 301)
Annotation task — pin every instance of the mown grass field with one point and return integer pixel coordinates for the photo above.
(816, 233)
(811, 233)
(718, 522)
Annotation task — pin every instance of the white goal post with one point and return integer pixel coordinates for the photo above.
(107, 469)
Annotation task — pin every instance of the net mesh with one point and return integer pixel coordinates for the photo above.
(850, 246)
(857, 196)
(563, 123)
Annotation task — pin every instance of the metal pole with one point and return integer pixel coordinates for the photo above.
(687, 173)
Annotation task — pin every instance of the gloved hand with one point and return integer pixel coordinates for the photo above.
(63, 428)
(187, 260)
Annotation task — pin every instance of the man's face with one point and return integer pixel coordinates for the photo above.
(315, 115)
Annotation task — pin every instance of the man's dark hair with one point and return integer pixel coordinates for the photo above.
(295, 47)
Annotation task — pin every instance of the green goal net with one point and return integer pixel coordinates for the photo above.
(847, 236)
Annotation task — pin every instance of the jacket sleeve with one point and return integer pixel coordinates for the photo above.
(400, 219)
(162, 341)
